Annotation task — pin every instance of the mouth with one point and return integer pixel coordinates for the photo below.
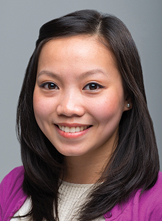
(72, 129)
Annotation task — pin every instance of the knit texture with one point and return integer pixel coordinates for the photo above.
(145, 207)
(71, 197)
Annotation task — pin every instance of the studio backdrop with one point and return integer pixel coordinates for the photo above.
(19, 26)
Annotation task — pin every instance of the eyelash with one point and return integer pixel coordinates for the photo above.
(93, 84)
(47, 84)
(52, 86)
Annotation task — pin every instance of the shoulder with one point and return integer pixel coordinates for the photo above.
(11, 191)
(143, 207)
(153, 196)
(155, 193)
(15, 173)
(13, 179)
(149, 203)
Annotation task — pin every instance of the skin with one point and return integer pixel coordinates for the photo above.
(64, 95)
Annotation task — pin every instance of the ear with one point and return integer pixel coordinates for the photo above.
(127, 104)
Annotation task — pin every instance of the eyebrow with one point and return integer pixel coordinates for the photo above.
(91, 72)
(50, 74)
(83, 75)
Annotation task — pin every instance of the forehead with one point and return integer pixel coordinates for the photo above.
(78, 48)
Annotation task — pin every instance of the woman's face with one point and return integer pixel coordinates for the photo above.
(78, 97)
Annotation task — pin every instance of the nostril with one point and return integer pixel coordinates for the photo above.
(70, 107)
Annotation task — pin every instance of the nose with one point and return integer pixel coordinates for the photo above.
(70, 105)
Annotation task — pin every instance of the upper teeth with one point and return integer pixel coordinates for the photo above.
(72, 129)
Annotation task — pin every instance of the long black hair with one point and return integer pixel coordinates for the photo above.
(134, 163)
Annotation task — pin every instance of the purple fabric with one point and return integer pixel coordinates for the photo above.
(11, 193)
(148, 207)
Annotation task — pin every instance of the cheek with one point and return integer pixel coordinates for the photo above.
(108, 108)
(42, 107)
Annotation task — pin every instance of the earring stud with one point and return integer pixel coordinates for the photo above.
(128, 105)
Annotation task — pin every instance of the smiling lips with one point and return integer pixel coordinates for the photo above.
(72, 129)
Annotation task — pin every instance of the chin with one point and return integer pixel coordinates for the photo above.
(72, 153)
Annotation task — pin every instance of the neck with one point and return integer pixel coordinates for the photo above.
(85, 169)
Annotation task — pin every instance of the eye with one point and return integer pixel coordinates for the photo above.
(92, 86)
(49, 86)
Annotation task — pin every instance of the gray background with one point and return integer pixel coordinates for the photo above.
(19, 25)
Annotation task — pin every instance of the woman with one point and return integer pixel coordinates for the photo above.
(87, 140)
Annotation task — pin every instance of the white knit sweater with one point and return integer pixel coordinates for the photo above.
(71, 198)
